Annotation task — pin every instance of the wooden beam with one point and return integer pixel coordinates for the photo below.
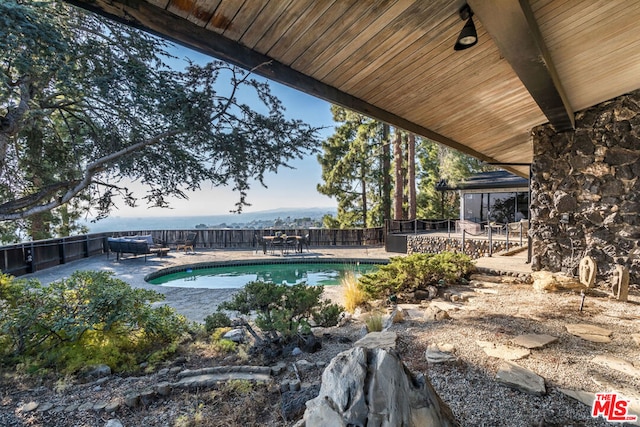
(514, 30)
(145, 16)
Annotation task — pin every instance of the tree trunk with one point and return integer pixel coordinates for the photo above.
(363, 196)
(399, 188)
(411, 180)
(386, 172)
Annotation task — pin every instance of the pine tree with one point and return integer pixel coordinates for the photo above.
(351, 169)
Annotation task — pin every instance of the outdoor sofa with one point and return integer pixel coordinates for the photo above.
(135, 245)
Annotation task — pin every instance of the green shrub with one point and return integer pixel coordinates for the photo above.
(327, 315)
(281, 311)
(225, 346)
(88, 318)
(215, 321)
(416, 271)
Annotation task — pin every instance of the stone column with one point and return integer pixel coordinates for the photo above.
(585, 185)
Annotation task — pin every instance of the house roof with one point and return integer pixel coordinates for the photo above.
(536, 61)
(487, 181)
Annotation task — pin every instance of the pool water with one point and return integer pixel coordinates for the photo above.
(230, 277)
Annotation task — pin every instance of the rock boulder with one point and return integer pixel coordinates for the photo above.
(373, 387)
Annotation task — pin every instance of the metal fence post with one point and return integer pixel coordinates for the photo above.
(490, 242)
(521, 228)
(507, 230)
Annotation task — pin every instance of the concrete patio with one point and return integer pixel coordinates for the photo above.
(196, 303)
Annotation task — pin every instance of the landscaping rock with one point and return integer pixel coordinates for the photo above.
(100, 405)
(440, 353)
(534, 340)
(293, 403)
(434, 313)
(305, 365)
(86, 406)
(502, 351)
(617, 364)
(585, 397)
(385, 340)
(112, 406)
(163, 388)
(590, 332)
(520, 378)
(235, 335)
(132, 400)
(372, 387)
(98, 371)
(44, 407)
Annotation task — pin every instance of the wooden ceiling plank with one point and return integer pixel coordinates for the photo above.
(454, 87)
(358, 36)
(428, 55)
(202, 11)
(381, 48)
(160, 3)
(282, 26)
(295, 32)
(224, 15)
(264, 22)
(321, 25)
(245, 19)
(572, 22)
(182, 8)
(319, 52)
(518, 38)
(432, 34)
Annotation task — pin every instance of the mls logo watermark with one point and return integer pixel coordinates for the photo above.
(612, 407)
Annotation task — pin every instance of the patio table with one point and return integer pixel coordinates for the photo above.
(267, 241)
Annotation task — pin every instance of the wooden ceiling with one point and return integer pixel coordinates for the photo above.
(536, 61)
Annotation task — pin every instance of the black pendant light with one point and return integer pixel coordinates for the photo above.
(468, 36)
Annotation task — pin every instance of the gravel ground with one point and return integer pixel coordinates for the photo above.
(469, 386)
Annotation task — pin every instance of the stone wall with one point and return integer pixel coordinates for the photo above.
(475, 248)
(585, 196)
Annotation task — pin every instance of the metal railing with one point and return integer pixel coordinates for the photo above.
(419, 225)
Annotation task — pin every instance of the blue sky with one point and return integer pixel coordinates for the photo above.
(289, 188)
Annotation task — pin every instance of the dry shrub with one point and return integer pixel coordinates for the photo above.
(374, 322)
(235, 403)
(353, 295)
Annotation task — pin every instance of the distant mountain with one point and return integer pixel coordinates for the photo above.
(260, 219)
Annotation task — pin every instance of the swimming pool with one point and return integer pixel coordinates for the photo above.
(225, 276)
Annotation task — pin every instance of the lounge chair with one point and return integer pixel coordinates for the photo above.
(188, 243)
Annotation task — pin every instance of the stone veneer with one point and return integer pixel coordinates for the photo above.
(475, 248)
(585, 190)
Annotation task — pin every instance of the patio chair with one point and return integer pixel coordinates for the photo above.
(291, 242)
(261, 243)
(188, 243)
(306, 241)
(277, 242)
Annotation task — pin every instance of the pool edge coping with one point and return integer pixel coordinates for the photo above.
(233, 263)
